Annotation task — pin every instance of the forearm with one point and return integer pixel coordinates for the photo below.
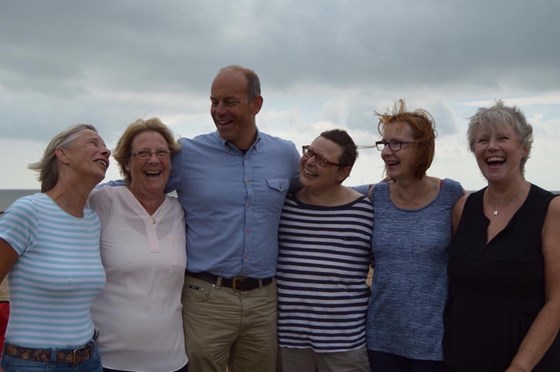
(538, 339)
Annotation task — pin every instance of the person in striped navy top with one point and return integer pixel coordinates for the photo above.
(324, 257)
(49, 245)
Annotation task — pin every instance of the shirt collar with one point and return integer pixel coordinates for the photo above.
(228, 145)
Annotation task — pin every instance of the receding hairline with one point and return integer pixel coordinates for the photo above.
(252, 80)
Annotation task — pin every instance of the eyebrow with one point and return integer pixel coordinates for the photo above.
(95, 138)
(401, 139)
(317, 154)
(228, 98)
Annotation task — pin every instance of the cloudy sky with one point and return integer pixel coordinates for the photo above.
(323, 64)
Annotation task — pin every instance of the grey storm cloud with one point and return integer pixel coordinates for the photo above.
(98, 61)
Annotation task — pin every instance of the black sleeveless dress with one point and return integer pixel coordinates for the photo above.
(495, 289)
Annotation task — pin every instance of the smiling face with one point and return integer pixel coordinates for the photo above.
(232, 110)
(149, 176)
(400, 163)
(314, 176)
(499, 153)
(87, 155)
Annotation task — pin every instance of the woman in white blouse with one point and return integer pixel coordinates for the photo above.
(138, 314)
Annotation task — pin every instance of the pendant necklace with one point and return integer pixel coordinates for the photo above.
(513, 200)
(496, 210)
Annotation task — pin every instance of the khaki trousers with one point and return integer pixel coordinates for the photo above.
(306, 360)
(229, 329)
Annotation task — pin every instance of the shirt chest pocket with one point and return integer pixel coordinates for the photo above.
(278, 184)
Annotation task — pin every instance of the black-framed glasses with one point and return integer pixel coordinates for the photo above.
(308, 153)
(145, 154)
(394, 145)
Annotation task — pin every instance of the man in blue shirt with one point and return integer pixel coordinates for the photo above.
(232, 184)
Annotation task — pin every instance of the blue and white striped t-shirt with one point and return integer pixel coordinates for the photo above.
(57, 275)
(323, 263)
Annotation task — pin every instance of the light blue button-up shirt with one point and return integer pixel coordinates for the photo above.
(233, 201)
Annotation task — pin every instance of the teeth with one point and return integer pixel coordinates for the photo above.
(103, 163)
(308, 172)
(494, 158)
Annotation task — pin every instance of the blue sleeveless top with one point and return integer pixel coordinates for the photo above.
(410, 276)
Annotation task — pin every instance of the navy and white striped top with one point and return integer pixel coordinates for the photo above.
(324, 257)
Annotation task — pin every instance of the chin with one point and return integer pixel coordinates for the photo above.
(304, 182)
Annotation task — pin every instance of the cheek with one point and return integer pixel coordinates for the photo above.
(478, 152)
(134, 169)
(213, 110)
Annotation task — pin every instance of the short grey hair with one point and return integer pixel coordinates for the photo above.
(501, 115)
(47, 166)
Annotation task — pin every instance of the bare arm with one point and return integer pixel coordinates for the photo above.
(545, 327)
(457, 212)
(8, 256)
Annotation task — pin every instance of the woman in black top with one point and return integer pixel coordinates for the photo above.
(503, 307)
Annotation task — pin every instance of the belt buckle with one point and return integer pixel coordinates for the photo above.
(75, 357)
(236, 281)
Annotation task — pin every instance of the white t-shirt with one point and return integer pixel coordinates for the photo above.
(138, 314)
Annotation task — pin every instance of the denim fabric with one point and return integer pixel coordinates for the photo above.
(11, 364)
(233, 201)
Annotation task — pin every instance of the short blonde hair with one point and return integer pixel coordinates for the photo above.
(122, 151)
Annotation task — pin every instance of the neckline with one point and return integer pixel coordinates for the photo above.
(495, 210)
(59, 207)
(510, 221)
(327, 207)
(431, 202)
(152, 218)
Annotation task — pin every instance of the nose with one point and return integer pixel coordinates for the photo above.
(310, 160)
(220, 108)
(153, 158)
(105, 151)
(492, 143)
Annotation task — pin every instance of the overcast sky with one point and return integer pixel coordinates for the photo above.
(323, 64)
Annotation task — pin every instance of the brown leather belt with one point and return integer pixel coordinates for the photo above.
(70, 356)
(238, 283)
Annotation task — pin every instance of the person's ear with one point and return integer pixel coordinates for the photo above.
(343, 173)
(257, 104)
(62, 155)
